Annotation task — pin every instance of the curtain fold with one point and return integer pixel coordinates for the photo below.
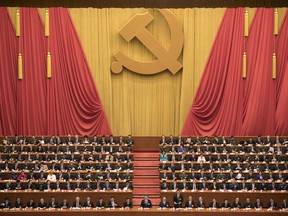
(259, 103)
(217, 104)
(31, 90)
(281, 116)
(8, 74)
(74, 105)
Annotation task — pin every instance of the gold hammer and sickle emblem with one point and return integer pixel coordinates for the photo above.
(166, 59)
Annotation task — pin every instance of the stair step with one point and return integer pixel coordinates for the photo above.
(146, 185)
(146, 154)
(147, 164)
(146, 177)
(145, 168)
(145, 181)
(147, 190)
(146, 172)
(146, 159)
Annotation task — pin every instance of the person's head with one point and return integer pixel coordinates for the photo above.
(164, 199)
(52, 199)
(178, 192)
(146, 198)
(77, 199)
(190, 198)
(237, 200)
(42, 200)
(258, 200)
(214, 200)
(100, 199)
(64, 201)
(200, 199)
(247, 200)
(88, 198)
(225, 201)
(271, 200)
(112, 199)
(128, 200)
(18, 199)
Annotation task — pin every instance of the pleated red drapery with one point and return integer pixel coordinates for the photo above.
(31, 90)
(218, 101)
(259, 97)
(8, 74)
(238, 106)
(73, 101)
(281, 116)
(36, 105)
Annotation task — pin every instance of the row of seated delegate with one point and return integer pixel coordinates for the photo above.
(231, 185)
(178, 203)
(65, 148)
(66, 176)
(71, 185)
(56, 140)
(171, 140)
(65, 166)
(224, 175)
(226, 166)
(236, 148)
(222, 157)
(64, 204)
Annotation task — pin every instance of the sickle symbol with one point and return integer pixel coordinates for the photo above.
(136, 27)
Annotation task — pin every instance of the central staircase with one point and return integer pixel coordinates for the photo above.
(146, 177)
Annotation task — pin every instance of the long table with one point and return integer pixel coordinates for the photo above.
(207, 196)
(145, 212)
(119, 196)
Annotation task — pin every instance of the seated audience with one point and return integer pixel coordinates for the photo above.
(146, 203)
(128, 204)
(164, 204)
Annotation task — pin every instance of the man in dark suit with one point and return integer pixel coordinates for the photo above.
(107, 186)
(100, 203)
(258, 204)
(189, 203)
(64, 204)
(112, 203)
(88, 203)
(214, 204)
(53, 203)
(42, 204)
(178, 199)
(272, 205)
(18, 203)
(6, 204)
(146, 203)
(163, 203)
(127, 204)
(226, 204)
(31, 204)
(236, 203)
(200, 203)
(247, 204)
(164, 185)
(77, 203)
(284, 204)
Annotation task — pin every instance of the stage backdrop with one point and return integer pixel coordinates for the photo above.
(140, 104)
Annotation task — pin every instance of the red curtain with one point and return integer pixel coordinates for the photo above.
(8, 74)
(226, 104)
(36, 105)
(31, 90)
(217, 106)
(73, 102)
(259, 96)
(281, 116)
